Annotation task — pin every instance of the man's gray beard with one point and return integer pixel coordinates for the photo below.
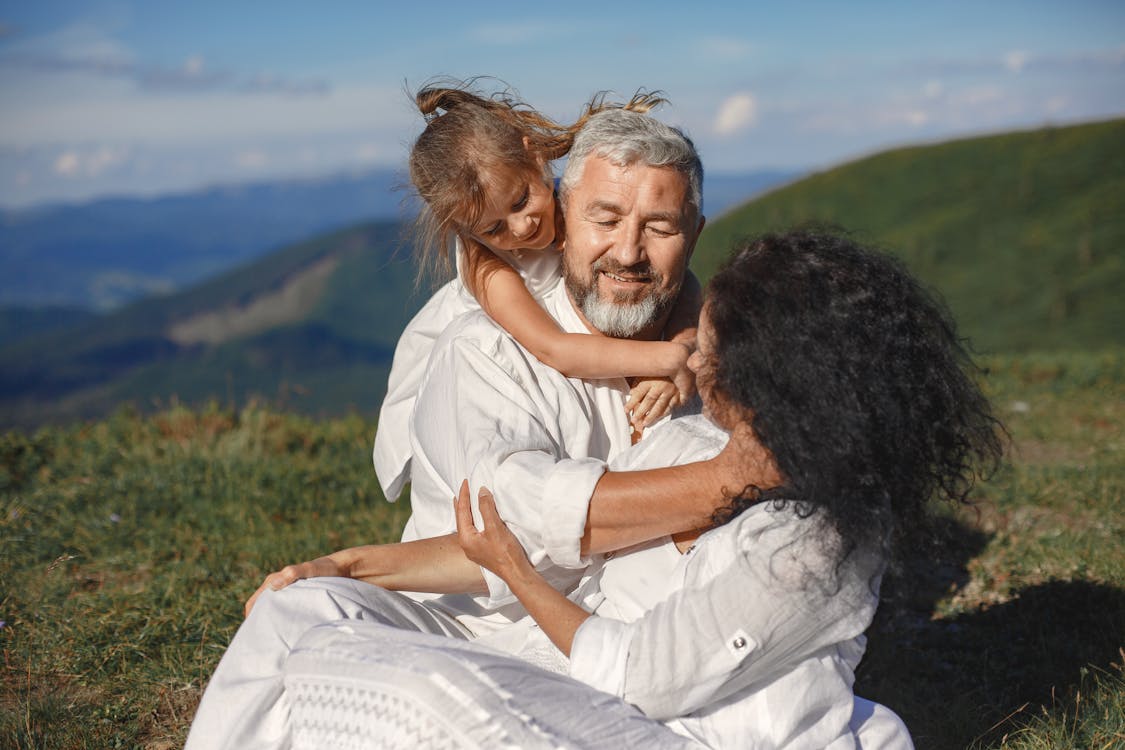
(621, 320)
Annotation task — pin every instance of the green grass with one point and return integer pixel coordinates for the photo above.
(1022, 232)
(127, 547)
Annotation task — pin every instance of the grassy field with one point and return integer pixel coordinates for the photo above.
(127, 547)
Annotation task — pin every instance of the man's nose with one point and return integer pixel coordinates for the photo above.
(629, 249)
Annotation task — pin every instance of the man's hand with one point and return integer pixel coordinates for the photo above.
(321, 566)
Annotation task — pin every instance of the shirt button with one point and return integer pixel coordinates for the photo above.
(739, 643)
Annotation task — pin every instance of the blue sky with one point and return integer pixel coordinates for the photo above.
(140, 98)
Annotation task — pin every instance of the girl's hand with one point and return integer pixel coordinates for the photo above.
(684, 380)
(649, 400)
(494, 547)
(321, 566)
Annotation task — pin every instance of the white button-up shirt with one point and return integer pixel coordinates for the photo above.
(490, 411)
(753, 639)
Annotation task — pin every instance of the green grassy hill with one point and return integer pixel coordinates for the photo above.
(1022, 233)
(312, 327)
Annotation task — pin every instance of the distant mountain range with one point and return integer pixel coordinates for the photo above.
(102, 254)
(106, 253)
(1022, 234)
(312, 326)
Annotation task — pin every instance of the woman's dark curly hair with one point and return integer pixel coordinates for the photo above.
(856, 381)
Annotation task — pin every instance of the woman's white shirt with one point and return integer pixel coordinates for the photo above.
(752, 637)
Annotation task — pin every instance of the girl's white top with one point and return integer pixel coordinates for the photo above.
(540, 270)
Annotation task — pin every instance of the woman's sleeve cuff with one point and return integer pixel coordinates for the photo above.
(599, 653)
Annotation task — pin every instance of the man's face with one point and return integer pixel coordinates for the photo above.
(629, 235)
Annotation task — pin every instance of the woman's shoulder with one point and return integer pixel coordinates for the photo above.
(796, 548)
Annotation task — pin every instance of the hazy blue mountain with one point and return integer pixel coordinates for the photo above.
(108, 252)
(725, 191)
(23, 322)
(312, 325)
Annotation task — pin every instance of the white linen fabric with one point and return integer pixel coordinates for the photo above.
(391, 453)
(364, 685)
(490, 411)
(245, 704)
(750, 639)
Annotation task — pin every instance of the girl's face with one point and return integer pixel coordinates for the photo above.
(519, 210)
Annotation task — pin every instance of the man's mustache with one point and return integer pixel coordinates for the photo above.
(642, 269)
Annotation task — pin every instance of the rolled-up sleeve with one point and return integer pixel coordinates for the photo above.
(598, 653)
(480, 415)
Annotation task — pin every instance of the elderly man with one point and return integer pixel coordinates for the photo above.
(489, 411)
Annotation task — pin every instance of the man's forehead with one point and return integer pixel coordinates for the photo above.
(601, 176)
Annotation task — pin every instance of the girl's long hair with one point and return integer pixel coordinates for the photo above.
(467, 136)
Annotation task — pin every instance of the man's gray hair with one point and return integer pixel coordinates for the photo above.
(625, 138)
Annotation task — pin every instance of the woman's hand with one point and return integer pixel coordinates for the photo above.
(321, 566)
(495, 547)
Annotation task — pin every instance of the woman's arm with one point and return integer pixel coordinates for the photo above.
(496, 548)
(502, 294)
(435, 565)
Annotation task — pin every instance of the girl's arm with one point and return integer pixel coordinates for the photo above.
(496, 548)
(435, 565)
(651, 397)
(502, 294)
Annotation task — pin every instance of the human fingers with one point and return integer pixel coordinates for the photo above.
(660, 407)
(463, 513)
(488, 513)
(253, 599)
(643, 410)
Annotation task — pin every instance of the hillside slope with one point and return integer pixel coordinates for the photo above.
(113, 251)
(1023, 233)
(312, 326)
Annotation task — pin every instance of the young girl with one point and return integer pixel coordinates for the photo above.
(481, 168)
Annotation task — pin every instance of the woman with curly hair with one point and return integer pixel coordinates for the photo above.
(846, 388)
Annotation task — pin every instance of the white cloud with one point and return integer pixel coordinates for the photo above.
(106, 112)
(88, 163)
(368, 152)
(737, 112)
(251, 159)
(1056, 105)
(67, 164)
(933, 89)
(193, 66)
(1016, 60)
(915, 117)
(85, 50)
(725, 48)
(523, 32)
